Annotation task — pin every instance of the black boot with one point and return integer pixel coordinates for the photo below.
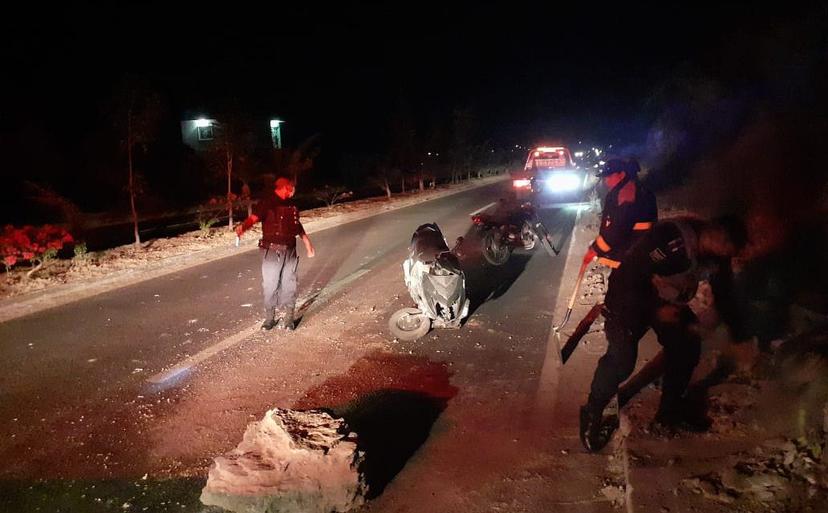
(685, 416)
(595, 432)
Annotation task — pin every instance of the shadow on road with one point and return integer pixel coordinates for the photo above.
(392, 425)
(391, 401)
(485, 281)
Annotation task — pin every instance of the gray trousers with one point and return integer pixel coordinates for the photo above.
(279, 279)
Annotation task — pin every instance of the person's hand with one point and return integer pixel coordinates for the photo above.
(311, 252)
(589, 257)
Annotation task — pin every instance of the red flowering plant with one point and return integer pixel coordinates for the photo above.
(34, 244)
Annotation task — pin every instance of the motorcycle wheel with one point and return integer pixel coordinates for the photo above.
(495, 254)
(409, 324)
(528, 236)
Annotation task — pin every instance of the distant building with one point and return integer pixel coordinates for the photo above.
(200, 133)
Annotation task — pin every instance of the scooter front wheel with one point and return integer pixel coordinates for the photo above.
(409, 324)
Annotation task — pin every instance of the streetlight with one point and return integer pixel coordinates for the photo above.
(276, 132)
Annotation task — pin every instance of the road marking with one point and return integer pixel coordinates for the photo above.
(309, 301)
(204, 354)
(305, 303)
(483, 208)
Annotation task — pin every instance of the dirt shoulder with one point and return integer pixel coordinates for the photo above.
(71, 280)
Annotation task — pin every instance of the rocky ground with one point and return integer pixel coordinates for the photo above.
(766, 448)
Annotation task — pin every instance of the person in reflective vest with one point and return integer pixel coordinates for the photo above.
(629, 211)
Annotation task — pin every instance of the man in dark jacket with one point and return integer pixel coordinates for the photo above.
(280, 227)
(651, 288)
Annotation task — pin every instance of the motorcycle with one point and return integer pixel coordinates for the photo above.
(503, 232)
(436, 283)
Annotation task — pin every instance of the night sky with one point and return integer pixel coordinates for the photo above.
(529, 73)
(522, 68)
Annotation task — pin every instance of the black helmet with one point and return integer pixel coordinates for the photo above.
(615, 165)
(612, 166)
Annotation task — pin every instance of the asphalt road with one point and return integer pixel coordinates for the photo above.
(121, 400)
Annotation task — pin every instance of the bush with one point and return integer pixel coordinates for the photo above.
(208, 214)
(81, 251)
(205, 224)
(332, 194)
(36, 245)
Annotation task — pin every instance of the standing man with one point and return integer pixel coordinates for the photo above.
(629, 211)
(659, 276)
(280, 227)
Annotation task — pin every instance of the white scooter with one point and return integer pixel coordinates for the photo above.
(436, 283)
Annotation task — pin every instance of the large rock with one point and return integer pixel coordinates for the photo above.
(290, 461)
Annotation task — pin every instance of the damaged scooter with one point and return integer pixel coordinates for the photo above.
(437, 285)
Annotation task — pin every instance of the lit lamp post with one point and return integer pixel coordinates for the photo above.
(276, 132)
(204, 129)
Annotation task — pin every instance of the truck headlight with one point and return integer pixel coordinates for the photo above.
(563, 182)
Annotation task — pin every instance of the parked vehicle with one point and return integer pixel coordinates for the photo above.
(550, 176)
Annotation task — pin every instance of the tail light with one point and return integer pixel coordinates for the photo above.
(477, 219)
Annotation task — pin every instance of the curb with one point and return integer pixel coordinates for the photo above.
(619, 466)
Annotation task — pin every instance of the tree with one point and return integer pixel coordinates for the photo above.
(382, 177)
(405, 152)
(138, 110)
(231, 146)
(435, 148)
(294, 162)
(370, 168)
(463, 149)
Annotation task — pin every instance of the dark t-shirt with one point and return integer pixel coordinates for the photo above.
(668, 255)
(280, 220)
